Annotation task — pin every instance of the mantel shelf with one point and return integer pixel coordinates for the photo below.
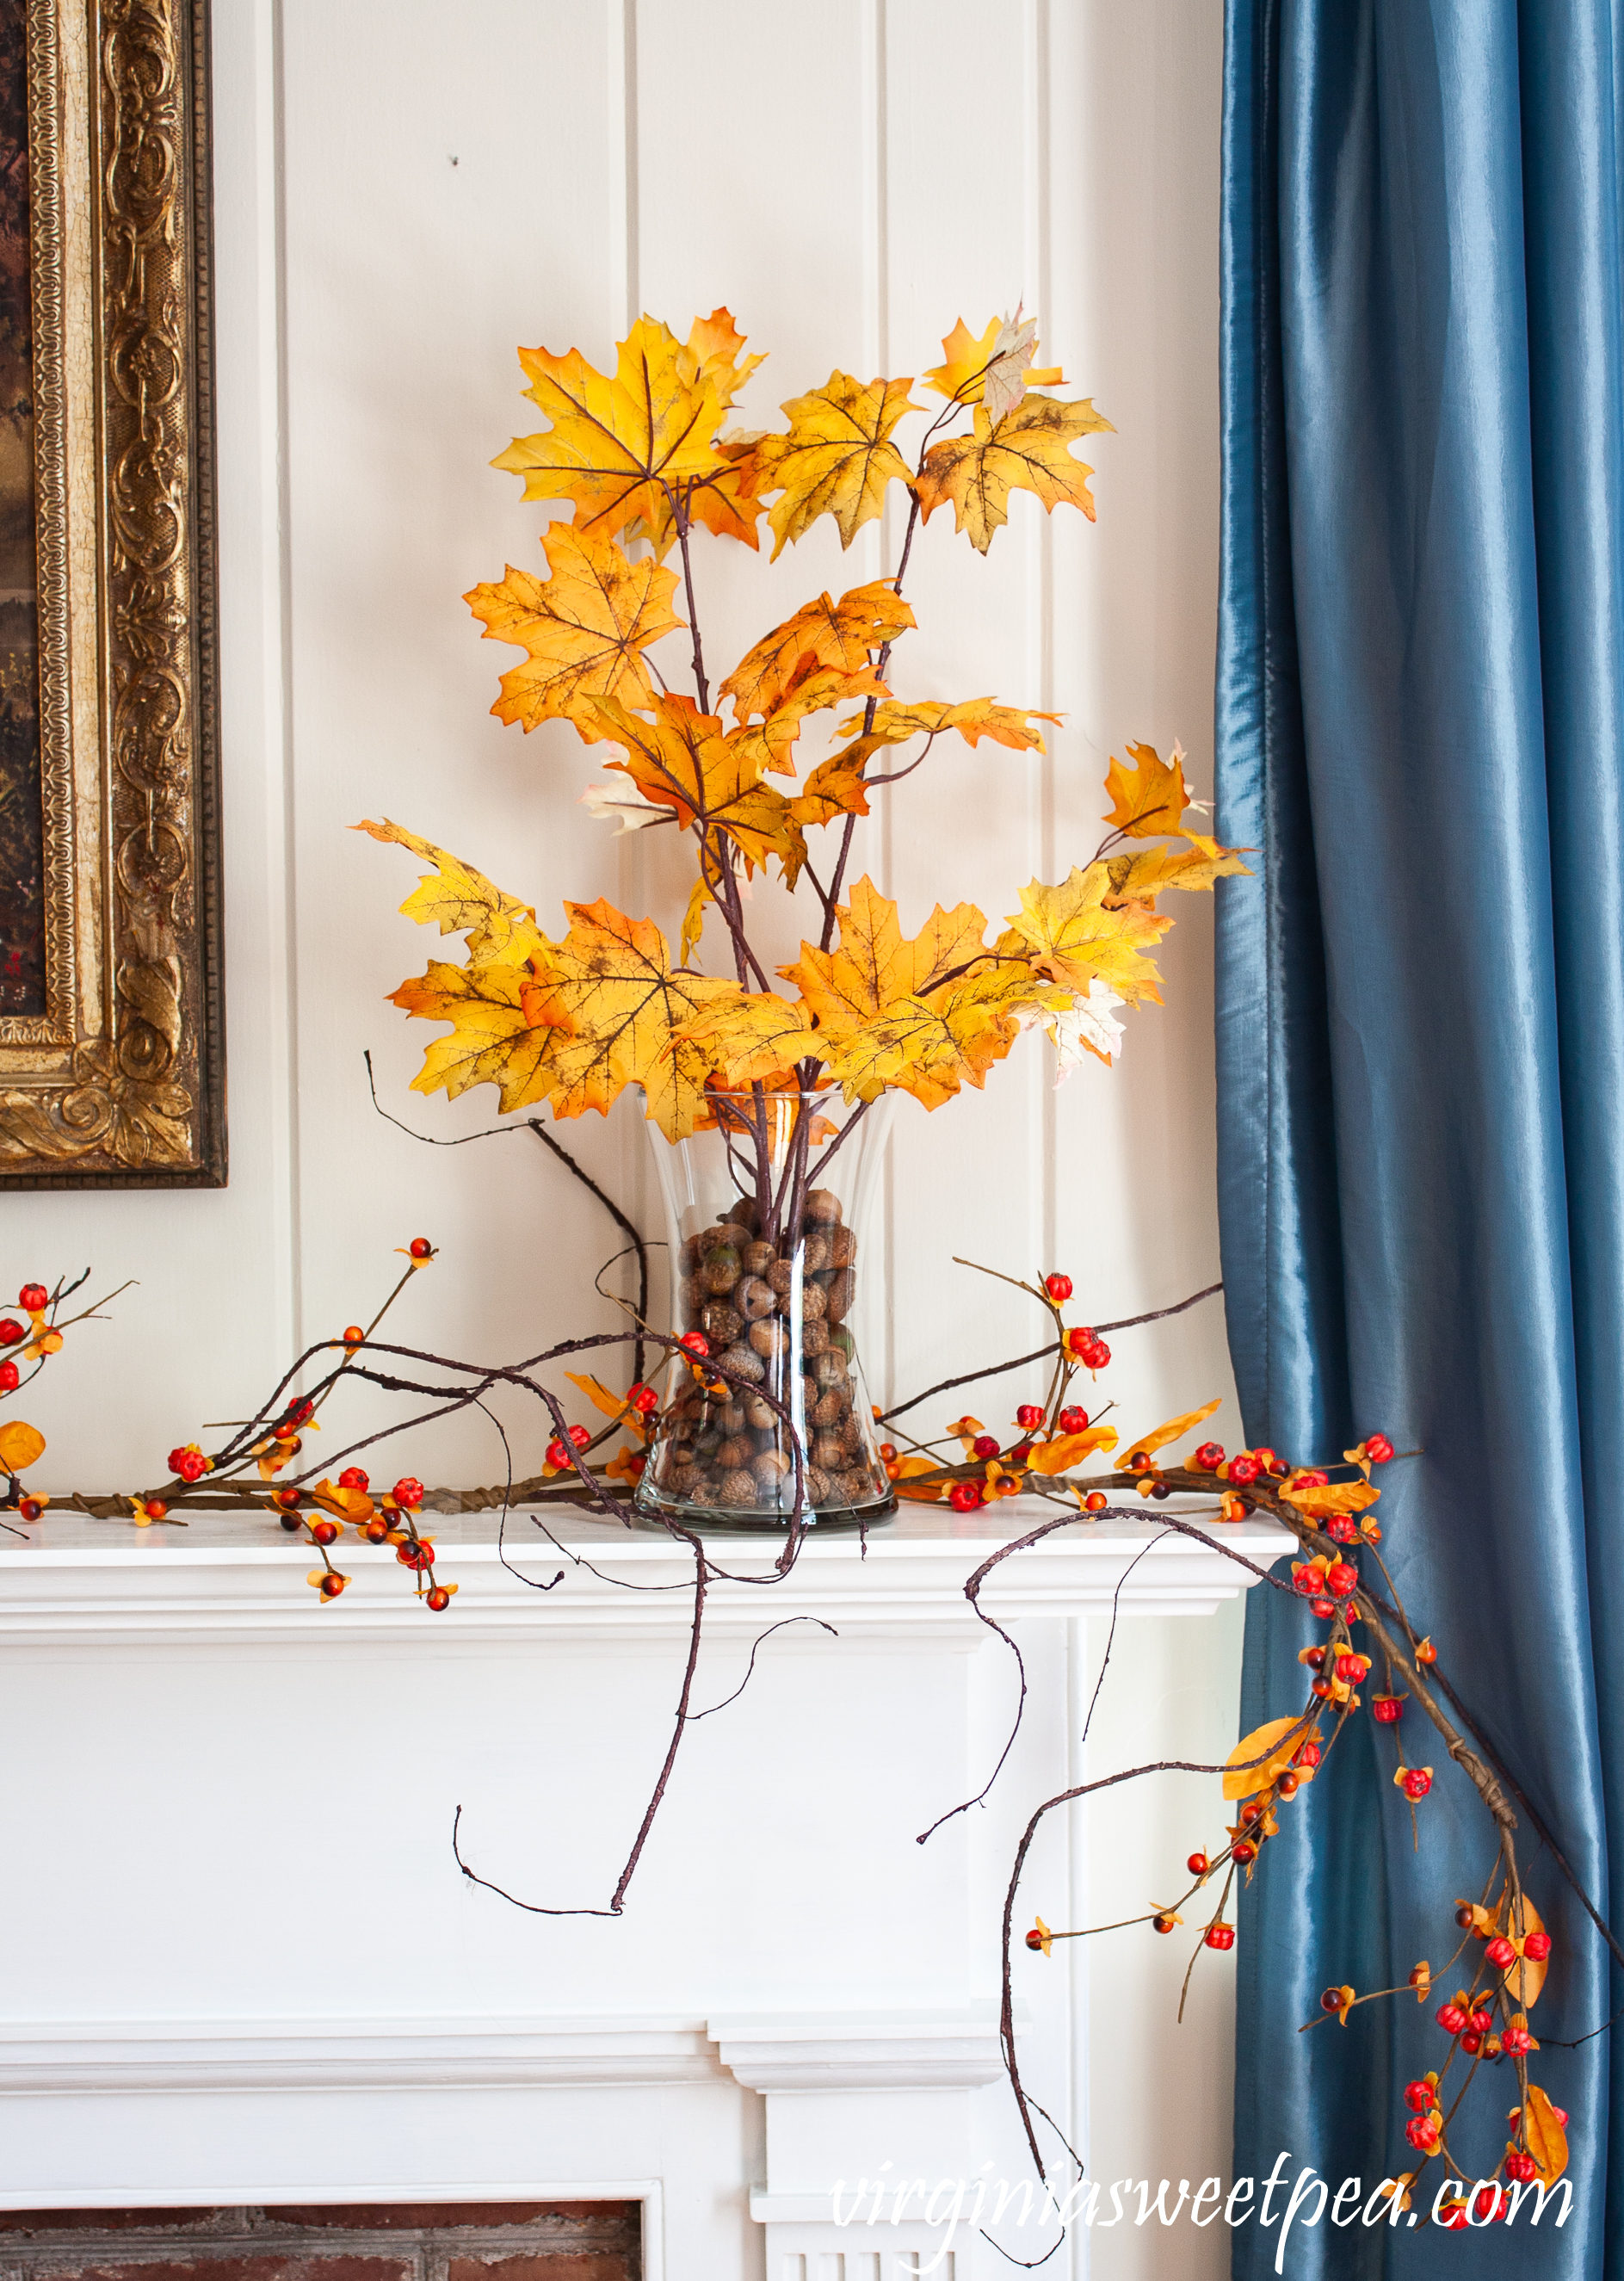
(235, 1575)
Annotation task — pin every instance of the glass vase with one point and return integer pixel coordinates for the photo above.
(767, 1214)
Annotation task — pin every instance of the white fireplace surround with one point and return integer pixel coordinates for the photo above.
(244, 1969)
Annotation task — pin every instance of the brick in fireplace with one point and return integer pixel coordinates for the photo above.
(363, 2241)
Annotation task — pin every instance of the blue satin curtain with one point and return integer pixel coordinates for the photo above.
(1420, 728)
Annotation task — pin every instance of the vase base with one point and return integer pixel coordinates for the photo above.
(653, 1512)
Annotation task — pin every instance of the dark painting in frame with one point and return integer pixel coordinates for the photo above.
(111, 1028)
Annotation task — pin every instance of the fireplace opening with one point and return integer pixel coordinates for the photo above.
(339, 2241)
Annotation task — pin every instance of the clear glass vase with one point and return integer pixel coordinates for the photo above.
(767, 1218)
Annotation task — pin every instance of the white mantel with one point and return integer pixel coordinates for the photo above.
(245, 1969)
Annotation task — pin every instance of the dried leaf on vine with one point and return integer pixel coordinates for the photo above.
(1276, 1744)
(1028, 450)
(21, 1445)
(837, 458)
(614, 446)
(1322, 1502)
(1068, 1449)
(1547, 2139)
(1176, 1428)
(1004, 353)
(583, 626)
(1524, 1978)
(614, 1406)
(907, 1483)
(838, 634)
(1072, 935)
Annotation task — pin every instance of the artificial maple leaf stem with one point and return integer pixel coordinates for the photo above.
(680, 511)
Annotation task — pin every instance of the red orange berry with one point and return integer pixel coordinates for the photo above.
(643, 1399)
(1029, 1417)
(1096, 1501)
(420, 1247)
(1500, 1953)
(1451, 2018)
(353, 1478)
(1073, 1420)
(1059, 1289)
(1209, 1458)
(1417, 1781)
(1244, 1469)
(332, 1584)
(325, 1532)
(11, 1331)
(9, 1376)
(1198, 1865)
(984, 1446)
(1521, 2166)
(354, 1337)
(408, 1491)
(1220, 1936)
(437, 1598)
(33, 1298)
(1418, 2096)
(1538, 1947)
(1378, 1449)
(965, 1496)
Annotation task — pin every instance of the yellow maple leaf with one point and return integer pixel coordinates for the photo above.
(500, 1034)
(752, 1037)
(929, 1046)
(459, 899)
(1149, 799)
(767, 743)
(840, 634)
(1276, 1744)
(627, 1007)
(583, 625)
(1175, 1430)
(616, 448)
(21, 1445)
(1141, 876)
(873, 965)
(961, 377)
(836, 457)
(725, 503)
(1072, 935)
(711, 353)
(1028, 450)
(835, 787)
(973, 718)
(682, 760)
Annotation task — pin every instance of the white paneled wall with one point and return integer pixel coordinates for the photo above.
(406, 190)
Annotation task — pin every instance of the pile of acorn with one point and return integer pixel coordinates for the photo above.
(773, 1315)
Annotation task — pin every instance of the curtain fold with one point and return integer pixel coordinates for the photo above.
(1420, 728)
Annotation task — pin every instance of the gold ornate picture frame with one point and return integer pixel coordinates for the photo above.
(111, 1016)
